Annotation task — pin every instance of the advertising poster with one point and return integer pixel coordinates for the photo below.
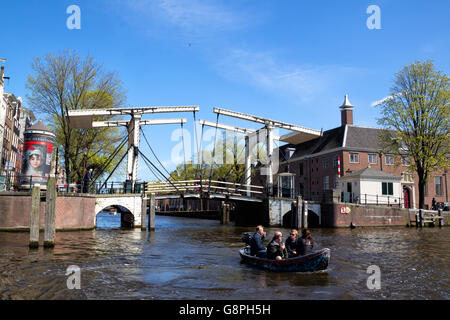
(37, 157)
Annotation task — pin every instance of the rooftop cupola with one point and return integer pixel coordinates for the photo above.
(346, 112)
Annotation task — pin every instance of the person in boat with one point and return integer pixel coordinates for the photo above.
(294, 245)
(256, 243)
(307, 240)
(276, 249)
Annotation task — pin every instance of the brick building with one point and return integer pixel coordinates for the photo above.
(13, 121)
(317, 162)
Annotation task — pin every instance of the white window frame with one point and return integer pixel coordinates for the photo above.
(375, 156)
(350, 156)
(386, 159)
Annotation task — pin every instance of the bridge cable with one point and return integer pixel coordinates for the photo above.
(234, 164)
(115, 167)
(154, 154)
(201, 160)
(184, 151)
(159, 177)
(213, 154)
(109, 160)
(151, 163)
(196, 144)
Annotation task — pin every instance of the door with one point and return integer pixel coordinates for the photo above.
(406, 198)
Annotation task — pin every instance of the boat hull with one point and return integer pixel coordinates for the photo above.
(314, 261)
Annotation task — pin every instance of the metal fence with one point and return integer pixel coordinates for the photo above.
(69, 186)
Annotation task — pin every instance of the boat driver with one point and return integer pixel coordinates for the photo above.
(256, 243)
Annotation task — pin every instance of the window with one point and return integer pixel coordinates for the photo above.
(405, 161)
(325, 163)
(354, 157)
(389, 159)
(387, 188)
(326, 182)
(438, 185)
(336, 181)
(373, 158)
(300, 169)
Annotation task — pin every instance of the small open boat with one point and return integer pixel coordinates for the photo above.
(314, 261)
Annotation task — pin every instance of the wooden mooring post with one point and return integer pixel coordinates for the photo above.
(34, 216)
(417, 219)
(299, 214)
(144, 213)
(50, 214)
(440, 223)
(305, 215)
(151, 213)
(225, 217)
(422, 222)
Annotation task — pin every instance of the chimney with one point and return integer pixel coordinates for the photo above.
(346, 112)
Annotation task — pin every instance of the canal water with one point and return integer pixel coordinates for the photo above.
(198, 259)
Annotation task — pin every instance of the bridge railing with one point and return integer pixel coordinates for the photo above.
(204, 186)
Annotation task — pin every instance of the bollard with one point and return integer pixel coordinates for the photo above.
(440, 217)
(299, 211)
(223, 217)
(305, 215)
(50, 214)
(144, 213)
(151, 215)
(34, 216)
(417, 219)
(421, 218)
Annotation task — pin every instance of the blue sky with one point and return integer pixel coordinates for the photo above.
(292, 61)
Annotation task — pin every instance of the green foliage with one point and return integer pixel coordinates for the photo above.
(416, 120)
(63, 82)
(225, 162)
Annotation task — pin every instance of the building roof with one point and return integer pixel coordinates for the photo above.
(363, 138)
(348, 137)
(330, 139)
(39, 126)
(370, 173)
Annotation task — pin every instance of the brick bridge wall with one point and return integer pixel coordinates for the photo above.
(72, 212)
(75, 212)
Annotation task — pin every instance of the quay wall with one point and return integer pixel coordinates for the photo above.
(75, 212)
(367, 216)
(209, 215)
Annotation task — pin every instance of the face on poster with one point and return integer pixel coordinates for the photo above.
(37, 160)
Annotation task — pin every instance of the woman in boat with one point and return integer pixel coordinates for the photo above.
(307, 240)
(276, 249)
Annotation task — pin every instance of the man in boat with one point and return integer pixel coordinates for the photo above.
(294, 245)
(276, 248)
(256, 243)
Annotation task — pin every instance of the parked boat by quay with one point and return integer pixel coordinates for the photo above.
(314, 261)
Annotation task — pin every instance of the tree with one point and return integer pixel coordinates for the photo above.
(64, 82)
(416, 120)
(225, 162)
